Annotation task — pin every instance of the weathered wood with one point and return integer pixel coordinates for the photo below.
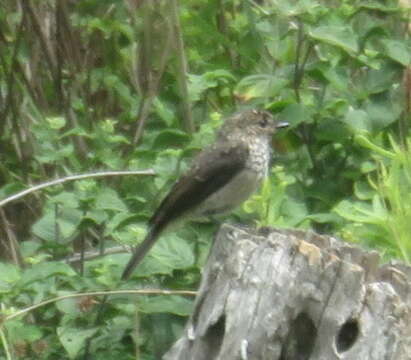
(294, 295)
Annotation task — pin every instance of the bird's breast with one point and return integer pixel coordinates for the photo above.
(242, 185)
(259, 157)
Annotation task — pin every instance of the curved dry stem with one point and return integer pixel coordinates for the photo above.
(41, 186)
(98, 293)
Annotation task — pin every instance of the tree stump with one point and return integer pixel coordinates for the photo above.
(295, 295)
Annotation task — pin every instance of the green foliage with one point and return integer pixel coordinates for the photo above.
(378, 214)
(73, 97)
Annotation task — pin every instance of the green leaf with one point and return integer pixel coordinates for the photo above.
(296, 114)
(166, 166)
(68, 220)
(358, 121)
(362, 212)
(172, 304)
(20, 331)
(9, 274)
(382, 111)
(30, 248)
(169, 253)
(68, 199)
(337, 35)
(96, 215)
(107, 199)
(119, 219)
(170, 138)
(323, 218)
(379, 80)
(10, 189)
(73, 339)
(197, 85)
(297, 8)
(51, 155)
(398, 51)
(69, 306)
(41, 271)
(163, 111)
(56, 122)
(260, 86)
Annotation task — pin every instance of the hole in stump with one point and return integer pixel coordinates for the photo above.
(214, 337)
(299, 343)
(347, 335)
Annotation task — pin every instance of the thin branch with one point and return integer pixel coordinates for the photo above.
(5, 345)
(297, 70)
(89, 255)
(154, 85)
(182, 68)
(97, 293)
(12, 71)
(41, 186)
(12, 239)
(48, 53)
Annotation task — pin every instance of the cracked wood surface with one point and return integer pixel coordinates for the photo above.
(288, 295)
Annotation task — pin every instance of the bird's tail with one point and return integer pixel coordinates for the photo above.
(141, 251)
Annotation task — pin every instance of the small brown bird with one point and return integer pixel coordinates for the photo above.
(221, 177)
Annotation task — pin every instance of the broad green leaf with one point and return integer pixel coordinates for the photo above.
(41, 271)
(337, 77)
(9, 274)
(73, 339)
(197, 85)
(21, 331)
(169, 253)
(165, 113)
(67, 221)
(56, 122)
(331, 129)
(172, 304)
(170, 138)
(10, 189)
(96, 215)
(337, 35)
(358, 121)
(323, 218)
(52, 155)
(30, 248)
(68, 199)
(221, 75)
(362, 212)
(381, 80)
(173, 251)
(118, 220)
(69, 306)
(107, 199)
(166, 166)
(297, 8)
(296, 114)
(363, 190)
(398, 51)
(383, 112)
(264, 86)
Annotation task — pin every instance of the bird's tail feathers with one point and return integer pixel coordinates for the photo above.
(140, 252)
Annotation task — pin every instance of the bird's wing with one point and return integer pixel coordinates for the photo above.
(212, 169)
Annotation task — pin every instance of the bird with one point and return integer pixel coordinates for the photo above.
(221, 177)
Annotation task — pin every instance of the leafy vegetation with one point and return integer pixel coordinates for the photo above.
(89, 86)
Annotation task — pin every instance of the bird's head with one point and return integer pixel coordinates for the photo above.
(251, 122)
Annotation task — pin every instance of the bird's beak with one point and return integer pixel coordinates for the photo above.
(282, 124)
